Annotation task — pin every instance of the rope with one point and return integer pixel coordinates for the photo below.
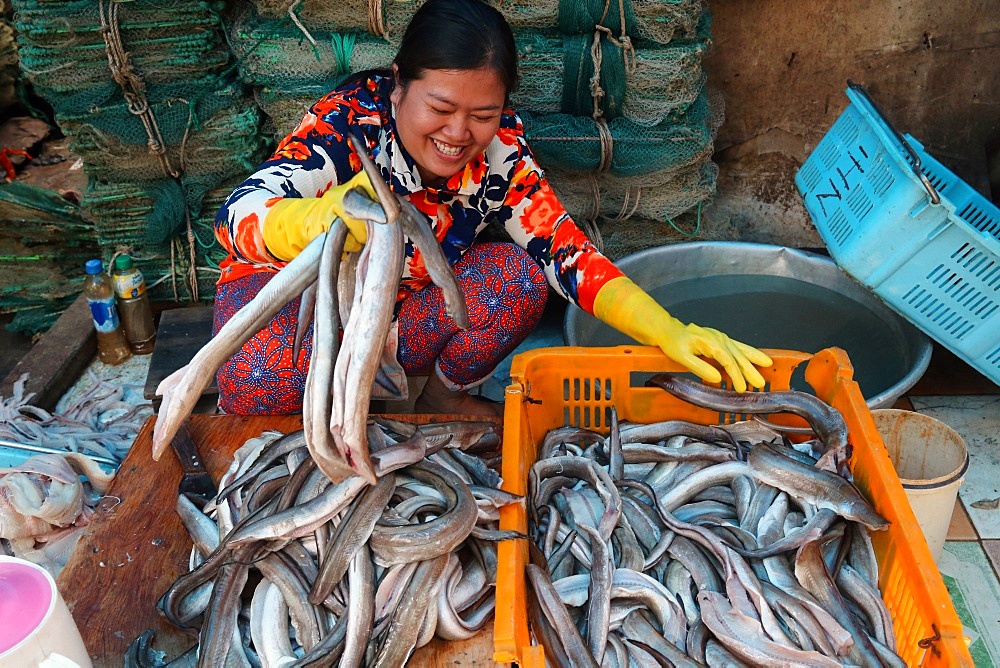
(697, 226)
(625, 213)
(597, 93)
(376, 20)
(173, 271)
(193, 273)
(298, 23)
(624, 42)
(131, 84)
(595, 189)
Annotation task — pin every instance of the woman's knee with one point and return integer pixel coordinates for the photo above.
(507, 273)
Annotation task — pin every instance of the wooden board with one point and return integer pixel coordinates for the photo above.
(135, 547)
(58, 359)
(181, 333)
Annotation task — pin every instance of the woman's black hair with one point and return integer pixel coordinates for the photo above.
(457, 35)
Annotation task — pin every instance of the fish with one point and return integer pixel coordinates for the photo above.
(703, 547)
(182, 388)
(317, 399)
(820, 488)
(277, 502)
(825, 421)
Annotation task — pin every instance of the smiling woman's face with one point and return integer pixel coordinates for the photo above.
(448, 117)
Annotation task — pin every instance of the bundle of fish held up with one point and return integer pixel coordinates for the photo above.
(292, 569)
(353, 292)
(679, 544)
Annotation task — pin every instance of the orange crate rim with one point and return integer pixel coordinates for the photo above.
(576, 386)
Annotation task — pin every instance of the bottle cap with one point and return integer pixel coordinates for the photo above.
(123, 262)
(94, 266)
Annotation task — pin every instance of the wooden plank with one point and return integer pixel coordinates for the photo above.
(135, 547)
(57, 360)
(181, 333)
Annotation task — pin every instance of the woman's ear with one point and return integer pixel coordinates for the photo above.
(397, 89)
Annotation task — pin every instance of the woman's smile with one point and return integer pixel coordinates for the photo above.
(448, 117)
(447, 149)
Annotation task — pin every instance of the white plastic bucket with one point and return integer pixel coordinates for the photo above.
(36, 627)
(931, 460)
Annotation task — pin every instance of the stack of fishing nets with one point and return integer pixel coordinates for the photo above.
(619, 116)
(44, 240)
(292, 66)
(178, 267)
(8, 61)
(623, 123)
(149, 96)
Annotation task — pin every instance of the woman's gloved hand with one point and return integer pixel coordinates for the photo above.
(292, 222)
(626, 307)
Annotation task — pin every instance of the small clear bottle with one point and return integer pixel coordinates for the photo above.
(133, 306)
(112, 348)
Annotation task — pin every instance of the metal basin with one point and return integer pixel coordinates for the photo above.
(774, 297)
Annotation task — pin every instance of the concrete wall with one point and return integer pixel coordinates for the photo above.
(783, 65)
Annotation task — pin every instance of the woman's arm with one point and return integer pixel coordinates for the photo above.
(539, 222)
(308, 162)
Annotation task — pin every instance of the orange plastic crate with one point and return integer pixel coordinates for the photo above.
(553, 387)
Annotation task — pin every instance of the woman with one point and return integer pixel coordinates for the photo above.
(440, 131)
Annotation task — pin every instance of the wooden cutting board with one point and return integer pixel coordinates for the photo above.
(135, 547)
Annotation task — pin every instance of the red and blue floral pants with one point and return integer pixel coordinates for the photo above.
(504, 288)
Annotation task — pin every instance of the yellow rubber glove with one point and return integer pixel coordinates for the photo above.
(626, 307)
(293, 222)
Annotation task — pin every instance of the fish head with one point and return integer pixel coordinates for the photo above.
(358, 205)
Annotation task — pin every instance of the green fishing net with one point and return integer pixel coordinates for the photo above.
(149, 95)
(181, 267)
(656, 20)
(174, 47)
(645, 81)
(8, 64)
(646, 85)
(579, 144)
(623, 215)
(220, 138)
(44, 242)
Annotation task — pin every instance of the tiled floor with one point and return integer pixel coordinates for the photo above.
(969, 403)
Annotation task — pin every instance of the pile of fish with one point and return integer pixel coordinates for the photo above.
(99, 423)
(65, 463)
(46, 502)
(679, 544)
(355, 292)
(292, 569)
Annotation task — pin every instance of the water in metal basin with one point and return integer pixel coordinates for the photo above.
(782, 312)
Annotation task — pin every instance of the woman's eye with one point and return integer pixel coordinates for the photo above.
(484, 119)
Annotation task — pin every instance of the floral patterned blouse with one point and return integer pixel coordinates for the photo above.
(503, 185)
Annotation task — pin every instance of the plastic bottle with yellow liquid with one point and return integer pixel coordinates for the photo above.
(112, 348)
(133, 305)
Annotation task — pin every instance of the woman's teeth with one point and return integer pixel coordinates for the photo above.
(447, 149)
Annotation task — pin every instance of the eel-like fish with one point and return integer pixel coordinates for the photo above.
(825, 420)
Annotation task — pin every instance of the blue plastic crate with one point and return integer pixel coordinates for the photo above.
(901, 223)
